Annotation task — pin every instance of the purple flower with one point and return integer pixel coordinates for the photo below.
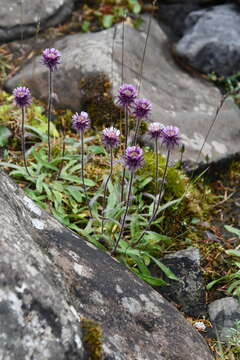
(155, 130)
(142, 108)
(110, 137)
(170, 136)
(133, 158)
(126, 95)
(80, 122)
(51, 58)
(22, 96)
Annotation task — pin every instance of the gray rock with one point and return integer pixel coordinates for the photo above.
(189, 292)
(172, 16)
(211, 41)
(21, 18)
(178, 98)
(223, 314)
(50, 278)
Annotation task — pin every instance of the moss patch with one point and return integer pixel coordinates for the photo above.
(92, 339)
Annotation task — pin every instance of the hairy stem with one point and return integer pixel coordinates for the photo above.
(156, 174)
(125, 215)
(82, 175)
(145, 46)
(136, 131)
(158, 202)
(50, 85)
(63, 153)
(112, 58)
(125, 147)
(23, 143)
(123, 43)
(105, 187)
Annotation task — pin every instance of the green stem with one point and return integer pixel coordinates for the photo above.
(125, 215)
(106, 184)
(82, 175)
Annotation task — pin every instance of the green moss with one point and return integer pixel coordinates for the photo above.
(92, 339)
(195, 204)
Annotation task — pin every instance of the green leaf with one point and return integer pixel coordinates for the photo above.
(214, 282)
(233, 252)
(143, 183)
(85, 26)
(48, 191)
(39, 183)
(234, 286)
(11, 165)
(135, 6)
(141, 265)
(233, 230)
(76, 194)
(5, 133)
(164, 269)
(154, 281)
(77, 179)
(95, 149)
(153, 236)
(169, 204)
(107, 21)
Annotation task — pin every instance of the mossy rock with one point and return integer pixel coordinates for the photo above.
(92, 339)
(98, 101)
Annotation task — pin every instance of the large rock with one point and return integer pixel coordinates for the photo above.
(21, 18)
(211, 40)
(224, 313)
(189, 292)
(178, 98)
(50, 278)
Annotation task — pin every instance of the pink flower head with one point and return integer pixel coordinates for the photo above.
(110, 137)
(126, 95)
(51, 58)
(170, 137)
(22, 96)
(133, 158)
(155, 130)
(142, 108)
(80, 122)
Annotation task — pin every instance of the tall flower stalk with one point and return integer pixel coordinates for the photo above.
(155, 131)
(110, 139)
(132, 160)
(126, 97)
(81, 122)
(22, 99)
(51, 59)
(170, 139)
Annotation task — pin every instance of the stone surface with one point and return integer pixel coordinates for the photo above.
(172, 16)
(211, 40)
(223, 314)
(178, 98)
(50, 278)
(189, 292)
(21, 18)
